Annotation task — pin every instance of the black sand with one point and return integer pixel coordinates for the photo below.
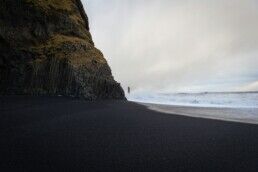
(63, 134)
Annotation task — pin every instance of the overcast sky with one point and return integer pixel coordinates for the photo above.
(178, 45)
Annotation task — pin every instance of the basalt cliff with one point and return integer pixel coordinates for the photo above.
(46, 49)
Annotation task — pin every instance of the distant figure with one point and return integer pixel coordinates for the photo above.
(128, 90)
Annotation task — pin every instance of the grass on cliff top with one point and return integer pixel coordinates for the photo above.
(56, 4)
(65, 5)
(78, 57)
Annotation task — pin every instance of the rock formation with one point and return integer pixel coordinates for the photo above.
(46, 49)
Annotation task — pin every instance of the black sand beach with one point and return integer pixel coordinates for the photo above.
(64, 134)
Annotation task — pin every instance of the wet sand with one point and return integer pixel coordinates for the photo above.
(64, 134)
(242, 115)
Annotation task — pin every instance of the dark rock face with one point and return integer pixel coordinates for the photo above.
(46, 49)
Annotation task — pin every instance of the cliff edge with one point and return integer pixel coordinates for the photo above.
(46, 49)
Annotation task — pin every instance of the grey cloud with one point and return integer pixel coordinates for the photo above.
(179, 44)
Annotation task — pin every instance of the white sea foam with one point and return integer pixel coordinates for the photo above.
(233, 100)
(238, 107)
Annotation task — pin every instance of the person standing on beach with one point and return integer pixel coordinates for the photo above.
(128, 90)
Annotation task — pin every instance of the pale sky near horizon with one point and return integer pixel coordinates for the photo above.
(178, 45)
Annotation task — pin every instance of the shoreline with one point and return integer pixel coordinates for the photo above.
(231, 114)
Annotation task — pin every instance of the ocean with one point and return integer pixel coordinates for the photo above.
(205, 99)
(227, 106)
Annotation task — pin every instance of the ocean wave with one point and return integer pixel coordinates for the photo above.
(205, 99)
